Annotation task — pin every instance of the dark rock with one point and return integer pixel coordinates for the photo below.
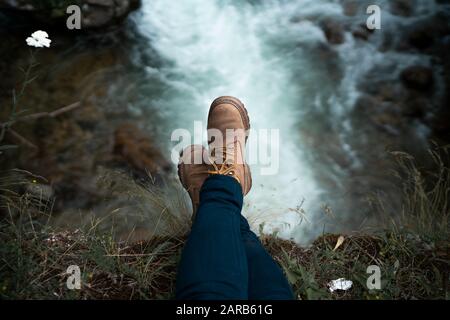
(403, 8)
(389, 121)
(387, 91)
(330, 64)
(364, 106)
(135, 148)
(100, 13)
(382, 116)
(421, 38)
(362, 32)
(426, 33)
(350, 7)
(416, 107)
(20, 5)
(95, 13)
(333, 30)
(417, 78)
(441, 125)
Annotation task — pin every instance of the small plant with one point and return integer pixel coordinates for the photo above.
(17, 112)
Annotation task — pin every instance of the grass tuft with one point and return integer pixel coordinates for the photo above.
(412, 251)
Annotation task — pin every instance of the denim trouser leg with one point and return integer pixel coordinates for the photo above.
(222, 258)
(266, 280)
(213, 263)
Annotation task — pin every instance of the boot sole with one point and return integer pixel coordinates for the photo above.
(181, 175)
(181, 171)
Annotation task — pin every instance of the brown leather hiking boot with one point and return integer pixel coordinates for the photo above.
(228, 129)
(192, 171)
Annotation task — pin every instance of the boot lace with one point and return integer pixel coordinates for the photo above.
(227, 165)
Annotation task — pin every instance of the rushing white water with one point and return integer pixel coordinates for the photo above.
(275, 58)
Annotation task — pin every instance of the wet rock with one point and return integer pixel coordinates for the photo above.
(364, 106)
(389, 121)
(417, 78)
(137, 150)
(428, 33)
(388, 92)
(383, 116)
(334, 32)
(421, 38)
(330, 64)
(17, 4)
(416, 107)
(403, 8)
(441, 125)
(95, 13)
(100, 13)
(362, 32)
(350, 7)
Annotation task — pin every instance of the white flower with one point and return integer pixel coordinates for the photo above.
(340, 284)
(39, 39)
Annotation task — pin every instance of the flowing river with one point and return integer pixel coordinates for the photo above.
(276, 59)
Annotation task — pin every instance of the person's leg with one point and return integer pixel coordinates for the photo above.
(266, 280)
(213, 263)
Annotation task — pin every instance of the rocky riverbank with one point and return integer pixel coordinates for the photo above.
(70, 149)
(96, 14)
(397, 79)
(421, 92)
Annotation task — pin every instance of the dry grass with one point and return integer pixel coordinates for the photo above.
(412, 251)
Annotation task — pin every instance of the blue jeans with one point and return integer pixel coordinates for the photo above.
(223, 258)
